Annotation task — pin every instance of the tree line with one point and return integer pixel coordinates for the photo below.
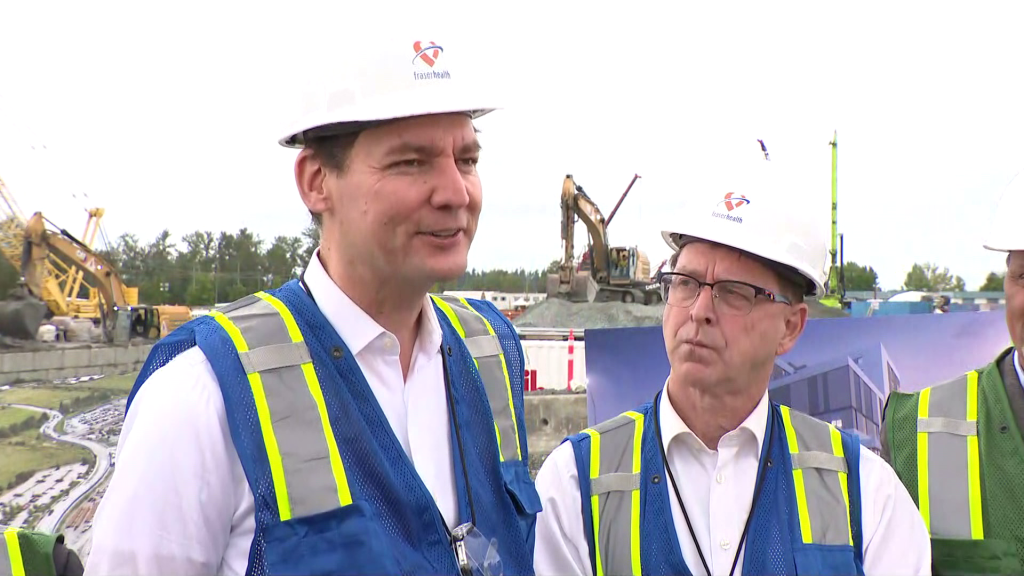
(926, 277)
(205, 268)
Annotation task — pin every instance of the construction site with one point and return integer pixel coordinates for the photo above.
(73, 324)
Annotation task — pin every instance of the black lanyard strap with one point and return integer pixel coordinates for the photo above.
(675, 488)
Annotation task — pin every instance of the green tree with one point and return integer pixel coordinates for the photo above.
(993, 283)
(859, 277)
(928, 277)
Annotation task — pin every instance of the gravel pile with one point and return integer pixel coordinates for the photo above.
(555, 313)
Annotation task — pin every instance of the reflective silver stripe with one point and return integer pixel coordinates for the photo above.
(486, 350)
(948, 425)
(616, 488)
(275, 356)
(483, 346)
(294, 415)
(819, 460)
(945, 433)
(615, 482)
(824, 480)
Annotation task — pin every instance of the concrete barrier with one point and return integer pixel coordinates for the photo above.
(69, 361)
(549, 419)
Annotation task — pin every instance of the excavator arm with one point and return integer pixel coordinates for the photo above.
(627, 281)
(587, 211)
(61, 265)
(56, 267)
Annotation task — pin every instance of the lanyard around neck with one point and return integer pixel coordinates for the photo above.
(679, 498)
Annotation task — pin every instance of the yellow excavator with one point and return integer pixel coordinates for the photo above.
(604, 274)
(63, 276)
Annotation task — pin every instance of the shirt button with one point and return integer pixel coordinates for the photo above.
(719, 478)
(725, 544)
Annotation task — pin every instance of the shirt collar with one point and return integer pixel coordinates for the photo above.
(1016, 363)
(351, 322)
(672, 425)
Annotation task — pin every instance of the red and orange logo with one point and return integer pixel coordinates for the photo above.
(733, 201)
(428, 54)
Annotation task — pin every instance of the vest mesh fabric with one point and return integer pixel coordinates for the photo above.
(36, 552)
(401, 505)
(1002, 472)
(1001, 450)
(770, 546)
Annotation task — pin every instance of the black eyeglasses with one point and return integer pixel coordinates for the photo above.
(729, 296)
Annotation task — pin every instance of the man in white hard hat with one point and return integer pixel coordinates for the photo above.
(958, 447)
(711, 477)
(346, 422)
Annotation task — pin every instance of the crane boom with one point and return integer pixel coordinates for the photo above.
(833, 276)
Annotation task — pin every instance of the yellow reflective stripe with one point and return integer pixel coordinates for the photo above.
(634, 528)
(508, 383)
(973, 464)
(313, 383)
(451, 316)
(837, 449)
(454, 319)
(263, 412)
(923, 502)
(595, 471)
(14, 552)
(798, 478)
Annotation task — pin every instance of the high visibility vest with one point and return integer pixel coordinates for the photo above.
(333, 488)
(806, 521)
(958, 450)
(26, 552)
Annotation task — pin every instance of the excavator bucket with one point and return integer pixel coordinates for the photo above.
(21, 315)
(581, 288)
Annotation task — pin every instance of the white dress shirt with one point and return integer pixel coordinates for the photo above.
(717, 488)
(1016, 364)
(178, 502)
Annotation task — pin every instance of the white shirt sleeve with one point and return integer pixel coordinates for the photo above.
(560, 544)
(173, 496)
(895, 538)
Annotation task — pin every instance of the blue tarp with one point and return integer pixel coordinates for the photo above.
(627, 366)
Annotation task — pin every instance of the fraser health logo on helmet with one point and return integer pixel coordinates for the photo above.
(424, 61)
(731, 201)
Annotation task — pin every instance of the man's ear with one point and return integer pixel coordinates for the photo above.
(795, 321)
(309, 178)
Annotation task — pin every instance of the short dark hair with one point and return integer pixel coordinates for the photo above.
(332, 152)
(792, 284)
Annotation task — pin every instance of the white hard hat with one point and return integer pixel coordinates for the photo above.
(390, 77)
(1006, 231)
(760, 207)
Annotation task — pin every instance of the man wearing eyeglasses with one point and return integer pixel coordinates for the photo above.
(710, 476)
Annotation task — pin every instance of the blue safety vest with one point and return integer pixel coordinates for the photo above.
(334, 491)
(806, 521)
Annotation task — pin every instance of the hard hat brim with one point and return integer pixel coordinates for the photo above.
(298, 139)
(812, 288)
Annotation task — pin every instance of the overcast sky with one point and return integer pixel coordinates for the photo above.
(181, 107)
